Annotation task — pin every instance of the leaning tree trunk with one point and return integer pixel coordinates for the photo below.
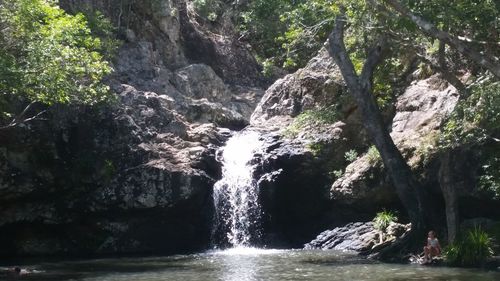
(360, 87)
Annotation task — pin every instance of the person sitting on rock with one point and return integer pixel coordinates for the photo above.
(433, 248)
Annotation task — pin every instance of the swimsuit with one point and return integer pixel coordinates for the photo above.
(433, 242)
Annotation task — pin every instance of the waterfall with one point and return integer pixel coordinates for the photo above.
(237, 210)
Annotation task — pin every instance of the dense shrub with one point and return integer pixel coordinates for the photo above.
(473, 249)
(51, 57)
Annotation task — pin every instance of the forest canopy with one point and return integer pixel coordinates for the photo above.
(288, 32)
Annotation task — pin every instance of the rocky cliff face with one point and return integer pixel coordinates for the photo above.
(135, 176)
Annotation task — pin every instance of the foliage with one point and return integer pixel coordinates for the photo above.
(208, 9)
(337, 173)
(315, 148)
(313, 118)
(473, 21)
(478, 19)
(50, 57)
(489, 180)
(288, 32)
(108, 170)
(267, 67)
(427, 148)
(373, 155)
(471, 250)
(475, 119)
(101, 27)
(474, 122)
(383, 219)
(351, 155)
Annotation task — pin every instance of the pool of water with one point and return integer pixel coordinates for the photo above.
(246, 265)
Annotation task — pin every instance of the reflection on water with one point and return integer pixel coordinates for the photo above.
(248, 264)
(242, 264)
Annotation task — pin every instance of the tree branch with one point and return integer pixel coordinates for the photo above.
(442, 69)
(428, 28)
(19, 119)
(338, 50)
(448, 76)
(371, 63)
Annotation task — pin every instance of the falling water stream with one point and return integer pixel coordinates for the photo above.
(236, 195)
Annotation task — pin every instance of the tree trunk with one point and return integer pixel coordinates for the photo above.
(360, 87)
(452, 181)
(462, 47)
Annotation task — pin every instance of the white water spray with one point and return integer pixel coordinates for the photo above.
(236, 194)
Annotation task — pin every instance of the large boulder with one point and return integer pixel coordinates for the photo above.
(358, 237)
(317, 84)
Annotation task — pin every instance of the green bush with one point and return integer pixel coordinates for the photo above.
(489, 180)
(49, 56)
(208, 9)
(471, 250)
(373, 155)
(287, 32)
(475, 119)
(351, 155)
(312, 118)
(383, 219)
(337, 173)
(315, 148)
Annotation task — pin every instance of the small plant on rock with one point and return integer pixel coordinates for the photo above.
(373, 155)
(337, 173)
(351, 155)
(312, 118)
(316, 148)
(383, 219)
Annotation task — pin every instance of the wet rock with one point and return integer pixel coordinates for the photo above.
(358, 237)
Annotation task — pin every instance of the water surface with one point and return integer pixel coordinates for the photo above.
(249, 265)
